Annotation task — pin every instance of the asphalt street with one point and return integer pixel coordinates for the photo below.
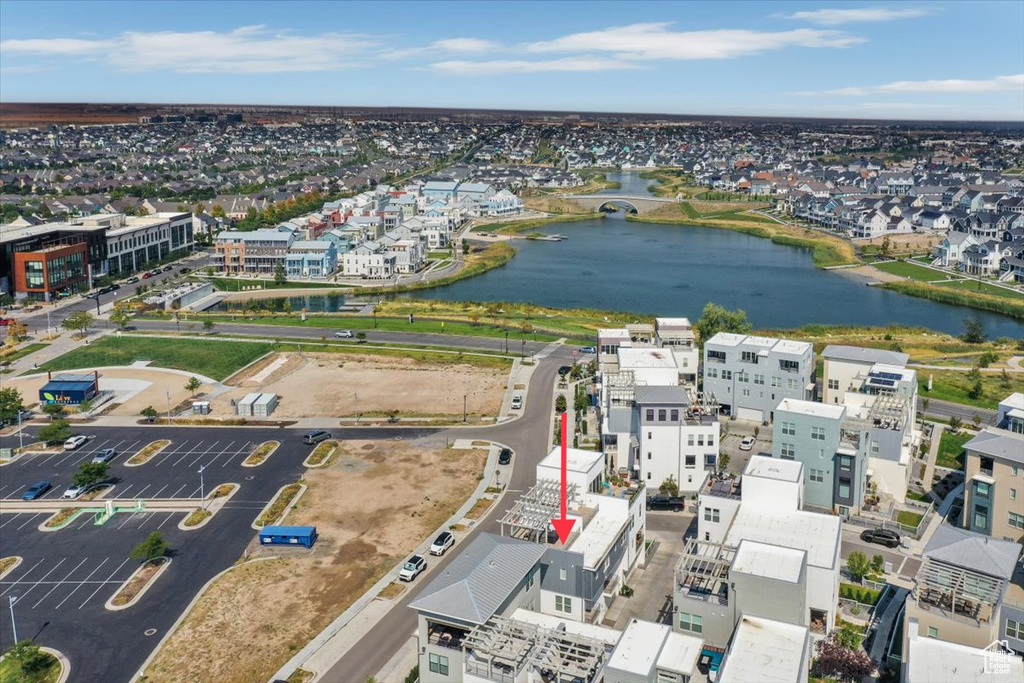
(66, 576)
(529, 437)
(946, 410)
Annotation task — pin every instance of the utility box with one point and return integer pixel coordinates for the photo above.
(264, 405)
(244, 407)
(288, 535)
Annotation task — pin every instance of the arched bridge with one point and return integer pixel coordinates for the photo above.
(637, 203)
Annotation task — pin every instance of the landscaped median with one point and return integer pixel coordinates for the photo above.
(322, 454)
(215, 500)
(147, 453)
(7, 564)
(26, 662)
(279, 505)
(260, 454)
(61, 519)
(132, 590)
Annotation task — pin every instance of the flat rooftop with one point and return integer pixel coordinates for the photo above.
(1013, 401)
(825, 410)
(769, 561)
(774, 468)
(640, 358)
(936, 661)
(576, 459)
(613, 333)
(638, 649)
(672, 323)
(857, 354)
(600, 533)
(815, 533)
(766, 651)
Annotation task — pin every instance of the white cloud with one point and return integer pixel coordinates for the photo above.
(836, 17)
(250, 49)
(465, 45)
(655, 41)
(522, 66)
(1013, 83)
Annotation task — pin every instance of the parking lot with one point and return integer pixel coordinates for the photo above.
(67, 576)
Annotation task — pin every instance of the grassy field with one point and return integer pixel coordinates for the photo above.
(213, 358)
(231, 284)
(826, 249)
(905, 269)
(1009, 306)
(11, 672)
(951, 449)
(21, 352)
(928, 275)
(983, 287)
(529, 224)
(953, 385)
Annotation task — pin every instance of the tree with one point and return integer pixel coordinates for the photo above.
(90, 473)
(361, 336)
(193, 384)
(152, 548)
(560, 404)
(55, 432)
(669, 487)
(1004, 379)
(974, 331)
(886, 249)
(17, 331)
(877, 563)
(10, 403)
(85, 406)
(218, 211)
(976, 390)
(208, 326)
(121, 316)
(54, 410)
(30, 658)
(149, 412)
(976, 420)
(280, 277)
(715, 319)
(955, 423)
(841, 663)
(723, 462)
(858, 565)
(465, 246)
(79, 322)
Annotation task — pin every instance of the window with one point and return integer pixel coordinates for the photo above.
(438, 664)
(789, 365)
(933, 632)
(691, 461)
(689, 439)
(833, 384)
(709, 461)
(563, 605)
(759, 379)
(711, 439)
(661, 415)
(649, 435)
(711, 514)
(816, 475)
(818, 433)
(650, 414)
(1016, 521)
(648, 455)
(749, 357)
(1013, 470)
(1015, 629)
(674, 415)
(787, 451)
(789, 428)
(980, 517)
(691, 622)
(716, 356)
(746, 392)
(776, 382)
(792, 384)
(844, 490)
(981, 489)
(726, 374)
(1013, 494)
(562, 574)
(742, 377)
(874, 447)
(711, 372)
(700, 439)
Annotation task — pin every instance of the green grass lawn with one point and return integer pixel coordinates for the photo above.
(23, 351)
(904, 269)
(975, 286)
(10, 672)
(953, 385)
(910, 519)
(210, 357)
(951, 449)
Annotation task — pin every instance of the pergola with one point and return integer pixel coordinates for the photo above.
(530, 517)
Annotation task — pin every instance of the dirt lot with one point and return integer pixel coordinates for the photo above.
(907, 242)
(282, 603)
(153, 383)
(326, 385)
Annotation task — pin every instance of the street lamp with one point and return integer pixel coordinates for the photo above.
(21, 434)
(464, 398)
(168, 392)
(202, 488)
(506, 341)
(14, 627)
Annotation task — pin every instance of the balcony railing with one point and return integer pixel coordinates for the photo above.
(985, 470)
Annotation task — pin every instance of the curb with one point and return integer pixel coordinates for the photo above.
(343, 619)
(326, 461)
(128, 463)
(18, 559)
(109, 604)
(215, 506)
(138, 675)
(42, 527)
(265, 457)
(292, 504)
(65, 664)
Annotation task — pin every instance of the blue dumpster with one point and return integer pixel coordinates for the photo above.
(288, 535)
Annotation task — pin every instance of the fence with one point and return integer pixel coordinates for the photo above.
(887, 521)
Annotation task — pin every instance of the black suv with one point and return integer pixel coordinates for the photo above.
(316, 436)
(505, 457)
(889, 539)
(666, 502)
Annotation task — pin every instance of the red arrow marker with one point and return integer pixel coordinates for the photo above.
(563, 526)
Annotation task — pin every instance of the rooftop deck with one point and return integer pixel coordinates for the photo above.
(721, 485)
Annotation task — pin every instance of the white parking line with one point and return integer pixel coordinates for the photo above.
(241, 454)
(12, 584)
(202, 455)
(130, 518)
(211, 461)
(28, 521)
(175, 494)
(105, 582)
(14, 518)
(166, 520)
(187, 453)
(86, 521)
(157, 494)
(58, 584)
(22, 596)
(82, 583)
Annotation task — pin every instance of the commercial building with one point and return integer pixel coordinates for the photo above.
(69, 389)
(44, 262)
(748, 376)
(758, 555)
(135, 241)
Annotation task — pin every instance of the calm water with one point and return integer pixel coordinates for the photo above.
(674, 270)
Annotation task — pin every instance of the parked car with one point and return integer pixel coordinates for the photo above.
(564, 370)
(36, 490)
(106, 455)
(73, 492)
(588, 349)
(412, 568)
(145, 276)
(517, 402)
(344, 334)
(155, 271)
(4, 322)
(505, 457)
(74, 442)
(747, 443)
(114, 287)
(316, 436)
(889, 539)
(131, 281)
(92, 295)
(441, 544)
(184, 270)
(168, 268)
(663, 501)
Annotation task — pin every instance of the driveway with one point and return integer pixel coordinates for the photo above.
(652, 599)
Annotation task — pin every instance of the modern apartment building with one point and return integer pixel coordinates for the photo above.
(1010, 415)
(748, 376)
(641, 348)
(844, 366)
(994, 484)
(135, 241)
(314, 260)
(258, 252)
(758, 555)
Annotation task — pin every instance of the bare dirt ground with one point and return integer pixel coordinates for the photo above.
(912, 241)
(327, 385)
(159, 382)
(873, 273)
(282, 603)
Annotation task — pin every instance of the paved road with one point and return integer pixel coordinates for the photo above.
(947, 409)
(515, 345)
(529, 438)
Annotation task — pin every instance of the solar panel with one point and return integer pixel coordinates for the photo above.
(883, 382)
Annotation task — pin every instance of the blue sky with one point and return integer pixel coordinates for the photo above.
(921, 60)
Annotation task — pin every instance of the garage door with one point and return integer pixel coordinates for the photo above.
(749, 414)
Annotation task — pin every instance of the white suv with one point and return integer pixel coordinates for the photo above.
(517, 402)
(74, 442)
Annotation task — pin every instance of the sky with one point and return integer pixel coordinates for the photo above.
(886, 60)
